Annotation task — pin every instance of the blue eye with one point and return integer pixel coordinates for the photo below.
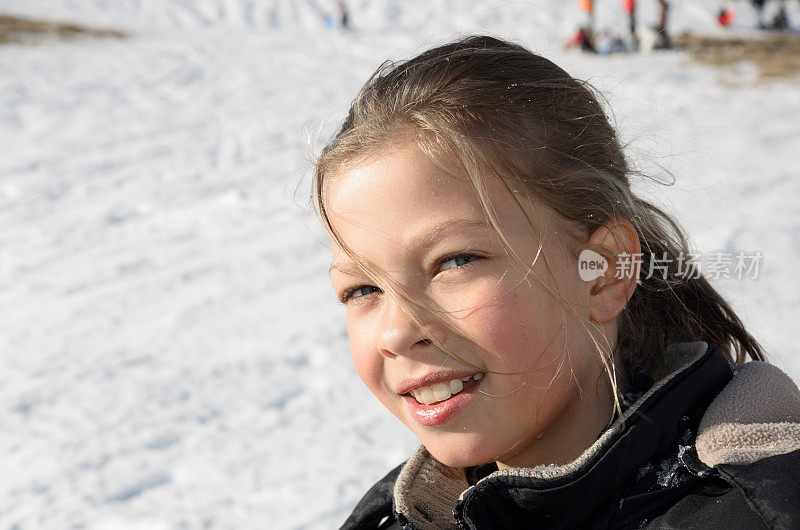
(448, 262)
(357, 292)
(458, 260)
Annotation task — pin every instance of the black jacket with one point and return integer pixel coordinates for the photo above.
(642, 472)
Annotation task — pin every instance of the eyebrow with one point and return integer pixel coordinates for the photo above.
(423, 242)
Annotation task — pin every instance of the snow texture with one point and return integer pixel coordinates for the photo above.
(172, 353)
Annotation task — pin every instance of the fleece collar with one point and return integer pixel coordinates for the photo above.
(427, 491)
(756, 415)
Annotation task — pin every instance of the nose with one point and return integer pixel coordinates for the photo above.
(399, 335)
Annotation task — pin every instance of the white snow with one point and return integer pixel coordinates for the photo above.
(171, 353)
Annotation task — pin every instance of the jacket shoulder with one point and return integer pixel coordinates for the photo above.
(772, 487)
(749, 441)
(763, 494)
(375, 509)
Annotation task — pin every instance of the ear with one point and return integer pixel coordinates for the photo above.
(618, 242)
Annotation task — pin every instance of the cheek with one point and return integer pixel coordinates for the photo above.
(367, 362)
(514, 328)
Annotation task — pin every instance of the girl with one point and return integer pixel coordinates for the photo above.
(532, 321)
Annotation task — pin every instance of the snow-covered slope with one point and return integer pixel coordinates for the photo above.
(171, 355)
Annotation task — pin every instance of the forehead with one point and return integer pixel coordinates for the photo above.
(398, 193)
(403, 170)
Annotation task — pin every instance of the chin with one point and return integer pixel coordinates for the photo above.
(458, 460)
(459, 453)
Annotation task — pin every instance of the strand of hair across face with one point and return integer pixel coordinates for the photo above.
(524, 383)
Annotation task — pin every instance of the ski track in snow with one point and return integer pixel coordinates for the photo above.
(172, 355)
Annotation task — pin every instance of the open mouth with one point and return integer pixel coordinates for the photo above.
(428, 395)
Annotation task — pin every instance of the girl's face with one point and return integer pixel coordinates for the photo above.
(529, 388)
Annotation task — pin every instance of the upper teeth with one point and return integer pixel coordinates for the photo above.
(441, 391)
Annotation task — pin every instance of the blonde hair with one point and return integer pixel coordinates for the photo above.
(495, 108)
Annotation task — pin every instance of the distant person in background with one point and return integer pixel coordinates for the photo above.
(344, 17)
(630, 8)
(726, 16)
(584, 38)
(655, 37)
(661, 28)
(781, 20)
(759, 5)
(587, 6)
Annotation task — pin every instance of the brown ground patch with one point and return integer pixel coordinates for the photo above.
(777, 54)
(27, 30)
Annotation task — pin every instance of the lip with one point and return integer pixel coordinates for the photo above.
(407, 385)
(442, 411)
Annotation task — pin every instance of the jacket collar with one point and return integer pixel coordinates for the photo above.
(757, 415)
(428, 493)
